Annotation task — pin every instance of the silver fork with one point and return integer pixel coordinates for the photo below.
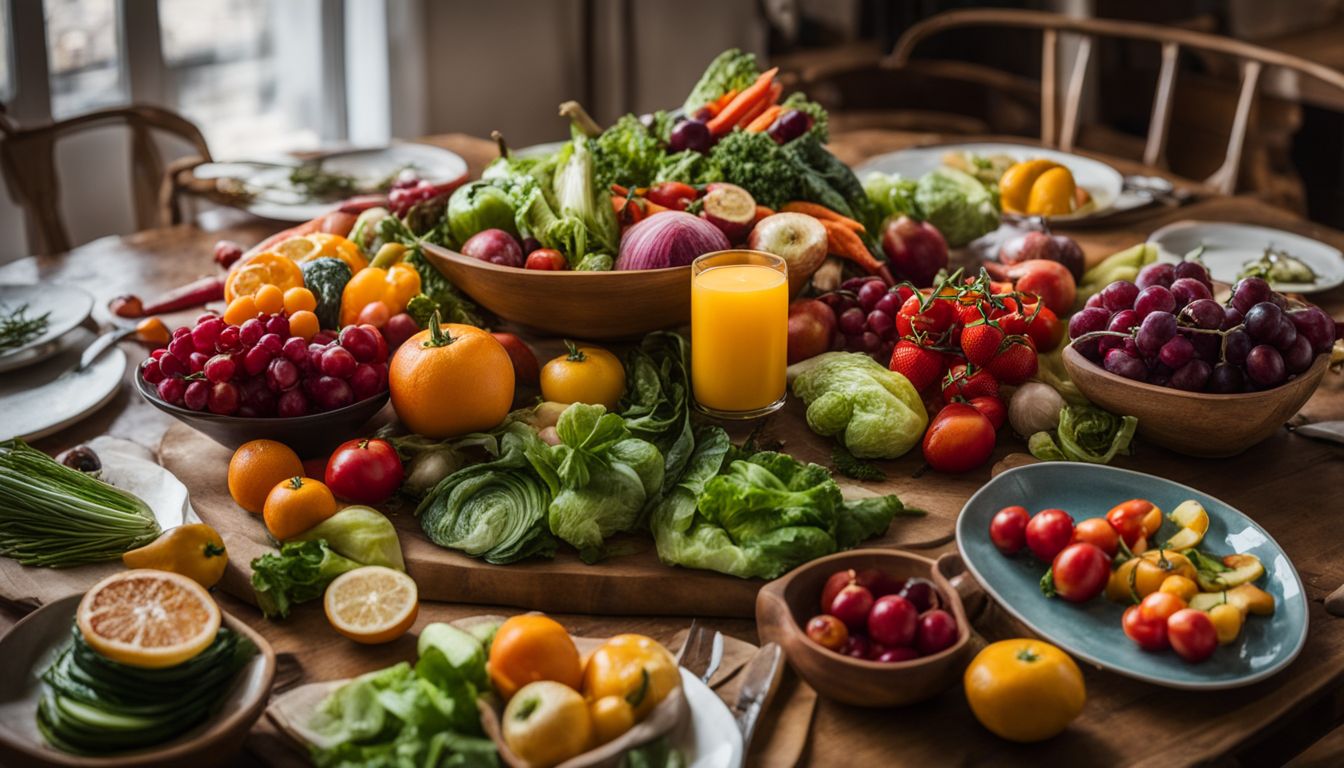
(702, 652)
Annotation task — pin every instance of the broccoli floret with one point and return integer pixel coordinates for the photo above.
(688, 167)
(754, 161)
(957, 204)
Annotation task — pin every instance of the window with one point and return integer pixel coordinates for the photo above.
(6, 79)
(223, 61)
(83, 55)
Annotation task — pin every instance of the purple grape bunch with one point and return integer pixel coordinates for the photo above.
(865, 312)
(1165, 328)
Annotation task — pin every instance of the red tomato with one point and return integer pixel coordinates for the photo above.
(547, 259)
(1045, 329)
(364, 471)
(672, 194)
(991, 408)
(931, 320)
(1008, 530)
(1080, 572)
(827, 631)
(1148, 634)
(1095, 530)
(1048, 532)
(1159, 606)
(959, 439)
(1192, 634)
(1133, 519)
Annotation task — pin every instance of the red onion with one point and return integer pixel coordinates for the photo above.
(669, 239)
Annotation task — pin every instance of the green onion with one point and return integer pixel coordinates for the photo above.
(56, 516)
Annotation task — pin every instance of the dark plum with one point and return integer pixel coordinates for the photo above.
(690, 134)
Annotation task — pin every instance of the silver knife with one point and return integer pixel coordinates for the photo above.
(101, 345)
(759, 681)
(1331, 431)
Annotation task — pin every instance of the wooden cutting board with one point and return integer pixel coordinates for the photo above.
(634, 582)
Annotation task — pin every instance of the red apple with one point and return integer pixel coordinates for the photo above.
(811, 326)
(916, 249)
(495, 246)
(797, 238)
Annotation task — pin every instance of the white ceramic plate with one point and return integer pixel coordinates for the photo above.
(709, 737)
(68, 307)
(369, 166)
(1101, 181)
(132, 468)
(1228, 247)
(48, 397)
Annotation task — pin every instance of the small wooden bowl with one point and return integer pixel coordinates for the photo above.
(585, 305)
(784, 605)
(1195, 423)
(312, 435)
(33, 643)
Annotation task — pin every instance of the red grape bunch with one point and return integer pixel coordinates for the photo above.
(865, 312)
(258, 369)
(1166, 329)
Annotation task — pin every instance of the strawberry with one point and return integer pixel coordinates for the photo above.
(1015, 361)
(980, 340)
(968, 382)
(920, 365)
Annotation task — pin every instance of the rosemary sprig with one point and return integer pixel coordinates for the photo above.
(17, 328)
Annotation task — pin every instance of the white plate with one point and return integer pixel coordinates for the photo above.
(68, 307)
(1228, 247)
(433, 164)
(132, 468)
(709, 737)
(1102, 182)
(48, 397)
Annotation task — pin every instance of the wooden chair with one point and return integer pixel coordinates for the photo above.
(28, 158)
(1060, 117)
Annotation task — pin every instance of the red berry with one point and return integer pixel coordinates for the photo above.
(223, 398)
(256, 359)
(182, 347)
(279, 325)
(196, 362)
(220, 368)
(196, 395)
(150, 372)
(171, 366)
(338, 362)
(171, 389)
(250, 331)
(228, 340)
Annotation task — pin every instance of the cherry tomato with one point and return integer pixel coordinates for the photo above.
(1148, 634)
(1080, 572)
(827, 631)
(929, 321)
(1192, 634)
(375, 313)
(546, 259)
(991, 408)
(1159, 606)
(1008, 530)
(1045, 329)
(672, 194)
(1095, 530)
(959, 439)
(1132, 520)
(1048, 533)
(364, 471)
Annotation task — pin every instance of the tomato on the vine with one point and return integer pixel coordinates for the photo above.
(1134, 519)
(931, 320)
(1044, 327)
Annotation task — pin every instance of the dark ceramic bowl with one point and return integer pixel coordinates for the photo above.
(312, 435)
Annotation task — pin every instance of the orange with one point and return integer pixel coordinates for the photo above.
(529, 648)
(297, 504)
(263, 269)
(299, 299)
(303, 323)
(451, 379)
(320, 245)
(372, 604)
(148, 618)
(255, 469)
(240, 309)
(270, 299)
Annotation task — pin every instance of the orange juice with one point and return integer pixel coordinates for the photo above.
(739, 332)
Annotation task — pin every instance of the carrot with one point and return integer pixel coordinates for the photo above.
(651, 208)
(762, 211)
(742, 103)
(843, 242)
(716, 106)
(759, 108)
(765, 119)
(822, 212)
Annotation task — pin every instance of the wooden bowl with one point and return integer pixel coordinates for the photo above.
(1195, 423)
(784, 605)
(32, 644)
(312, 435)
(586, 305)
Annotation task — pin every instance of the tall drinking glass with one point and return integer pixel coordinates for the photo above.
(739, 333)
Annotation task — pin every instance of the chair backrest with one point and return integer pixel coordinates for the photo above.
(28, 158)
(1062, 130)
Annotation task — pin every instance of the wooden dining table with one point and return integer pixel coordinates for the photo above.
(1293, 486)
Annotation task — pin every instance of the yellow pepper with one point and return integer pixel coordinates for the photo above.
(1038, 188)
(394, 286)
(633, 667)
(194, 550)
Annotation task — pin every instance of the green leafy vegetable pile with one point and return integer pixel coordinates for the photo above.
(1086, 433)
(876, 413)
(957, 203)
(94, 706)
(56, 516)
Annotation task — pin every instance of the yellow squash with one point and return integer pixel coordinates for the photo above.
(194, 550)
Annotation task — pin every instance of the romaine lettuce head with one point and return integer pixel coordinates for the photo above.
(957, 204)
(877, 413)
(479, 206)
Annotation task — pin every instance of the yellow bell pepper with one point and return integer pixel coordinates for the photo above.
(394, 286)
(194, 550)
(633, 667)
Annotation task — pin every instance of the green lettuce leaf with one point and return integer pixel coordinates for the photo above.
(360, 533)
(656, 406)
(299, 572)
(876, 412)
(732, 69)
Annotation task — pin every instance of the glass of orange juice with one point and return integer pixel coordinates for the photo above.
(739, 333)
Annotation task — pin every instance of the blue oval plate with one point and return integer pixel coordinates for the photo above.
(1092, 631)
